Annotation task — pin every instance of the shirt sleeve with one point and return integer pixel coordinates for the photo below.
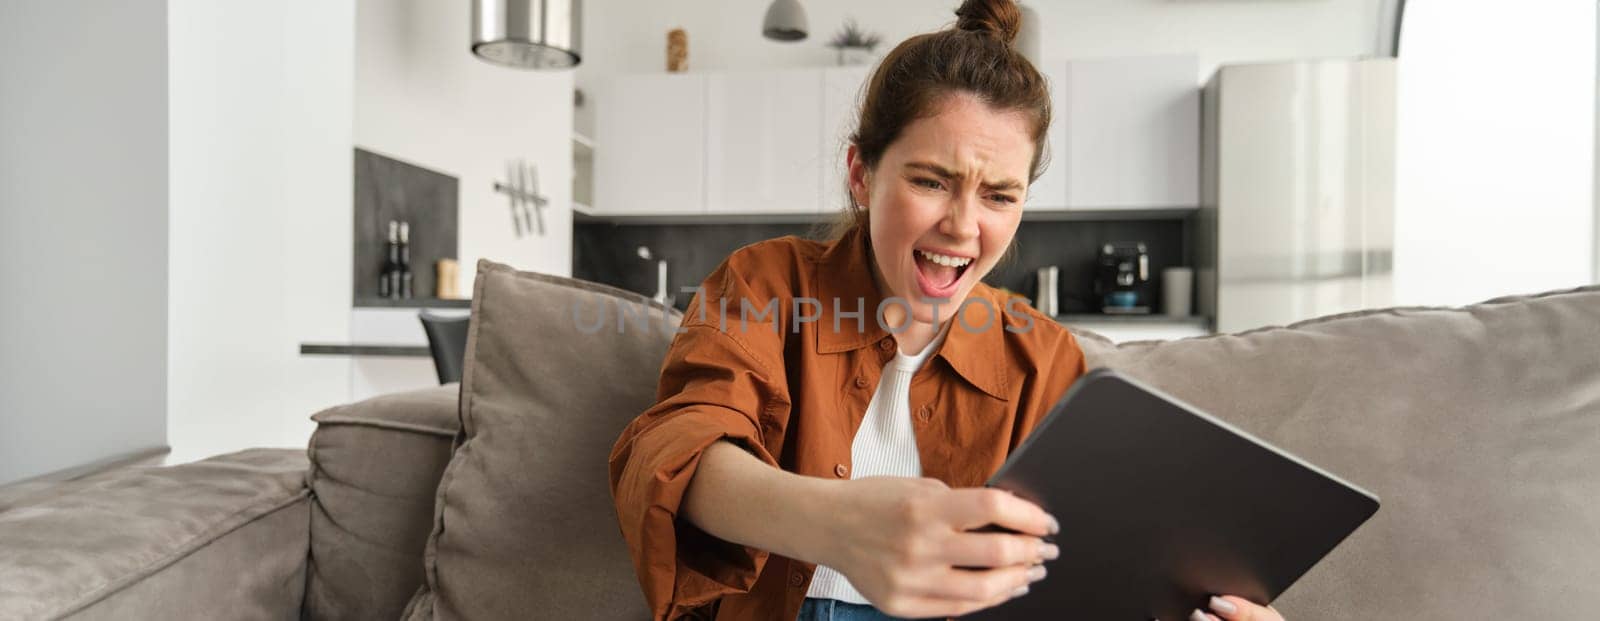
(713, 386)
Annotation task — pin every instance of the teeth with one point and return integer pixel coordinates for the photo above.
(944, 260)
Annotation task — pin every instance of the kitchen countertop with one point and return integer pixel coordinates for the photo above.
(376, 302)
(364, 349)
(1152, 318)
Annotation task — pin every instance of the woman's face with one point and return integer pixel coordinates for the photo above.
(944, 202)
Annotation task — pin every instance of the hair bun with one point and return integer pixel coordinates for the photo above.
(1001, 19)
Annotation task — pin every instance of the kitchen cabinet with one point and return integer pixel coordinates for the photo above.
(1125, 136)
(1049, 191)
(651, 154)
(764, 142)
(1132, 133)
(842, 91)
(385, 344)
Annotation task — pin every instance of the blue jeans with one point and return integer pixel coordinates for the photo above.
(834, 610)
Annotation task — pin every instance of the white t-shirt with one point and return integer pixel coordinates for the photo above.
(885, 445)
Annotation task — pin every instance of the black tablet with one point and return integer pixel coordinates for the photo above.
(1162, 506)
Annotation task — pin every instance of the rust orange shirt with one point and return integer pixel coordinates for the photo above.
(772, 355)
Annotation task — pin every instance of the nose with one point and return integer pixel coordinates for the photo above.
(961, 219)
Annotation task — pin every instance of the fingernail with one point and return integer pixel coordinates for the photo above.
(1036, 573)
(1055, 527)
(1223, 606)
(1198, 616)
(1049, 551)
(1021, 591)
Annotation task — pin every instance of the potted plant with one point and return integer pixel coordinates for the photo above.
(854, 44)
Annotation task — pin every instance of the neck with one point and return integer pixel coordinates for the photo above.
(916, 337)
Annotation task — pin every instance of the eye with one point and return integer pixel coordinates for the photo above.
(1003, 198)
(926, 182)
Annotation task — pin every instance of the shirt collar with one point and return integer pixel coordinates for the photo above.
(975, 348)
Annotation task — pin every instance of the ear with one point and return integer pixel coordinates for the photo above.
(860, 177)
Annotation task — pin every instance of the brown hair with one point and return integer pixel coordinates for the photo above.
(974, 56)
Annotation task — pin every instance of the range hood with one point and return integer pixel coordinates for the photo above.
(527, 34)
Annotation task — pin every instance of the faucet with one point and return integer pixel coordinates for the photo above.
(661, 277)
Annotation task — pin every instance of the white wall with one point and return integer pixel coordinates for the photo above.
(422, 97)
(1496, 150)
(83, 232)
(260, 219)
(626, 36)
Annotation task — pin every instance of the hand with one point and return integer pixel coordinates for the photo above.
(1230, 608)
(903, 543)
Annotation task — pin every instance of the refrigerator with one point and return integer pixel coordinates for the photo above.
(1297, 191)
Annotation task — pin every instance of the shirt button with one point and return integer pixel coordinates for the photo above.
(796, 579)
(841, 470)
(925, 412)
(886, 344)
(861, 381)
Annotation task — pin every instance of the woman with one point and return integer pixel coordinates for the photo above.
(829, 412)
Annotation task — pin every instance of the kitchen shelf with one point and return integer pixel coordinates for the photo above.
(374, 302)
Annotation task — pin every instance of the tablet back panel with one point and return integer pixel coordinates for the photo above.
(1162, 506)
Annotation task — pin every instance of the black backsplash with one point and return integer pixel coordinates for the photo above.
(608, 253)
(389, 189)
(1074, 246)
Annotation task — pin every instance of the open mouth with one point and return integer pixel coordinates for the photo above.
(938, 274)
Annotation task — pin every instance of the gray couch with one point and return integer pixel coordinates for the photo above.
(1479, 427)
(334, 532)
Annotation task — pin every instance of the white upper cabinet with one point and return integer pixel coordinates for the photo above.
(1126, 135)
(842, 90)
(650, 136)
(1049, 191)
(763, 142)
(1132, 133)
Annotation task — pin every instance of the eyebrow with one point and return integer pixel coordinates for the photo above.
(1007, 184)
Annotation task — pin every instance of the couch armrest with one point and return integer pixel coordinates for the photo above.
(375, 469)
(224, 537)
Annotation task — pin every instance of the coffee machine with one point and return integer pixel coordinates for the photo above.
(1122, 278)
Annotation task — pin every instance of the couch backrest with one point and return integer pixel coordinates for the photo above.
(1478, 427)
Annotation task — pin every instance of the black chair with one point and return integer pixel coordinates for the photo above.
(447, 340)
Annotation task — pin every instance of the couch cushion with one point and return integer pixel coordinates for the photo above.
(133, 542)
(375, 468)
(524, 522)
(1478, 427)
(256, 571)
